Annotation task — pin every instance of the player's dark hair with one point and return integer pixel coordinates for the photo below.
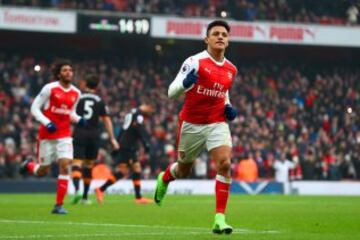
(92, 81)
(58, 65)
(217, 23)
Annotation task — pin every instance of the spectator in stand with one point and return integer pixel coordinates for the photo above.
(275, 100)
(282, 167)
(247, 170)
(356, 164)
(352, 15)
(331, 165)
(308, 166)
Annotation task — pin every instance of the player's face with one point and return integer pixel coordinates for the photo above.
(66, 74)
(218, 38)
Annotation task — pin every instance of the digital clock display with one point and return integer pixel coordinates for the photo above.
(121, 25)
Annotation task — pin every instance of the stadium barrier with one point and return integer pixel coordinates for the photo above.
(326, 188)
(255, 188)
(193, 187)
(28, 186)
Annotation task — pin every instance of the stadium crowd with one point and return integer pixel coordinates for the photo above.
(294, 112)
(300, 11)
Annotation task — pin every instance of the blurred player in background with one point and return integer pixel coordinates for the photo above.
(54, 107)
(205, 80)
(87, 138)
(132, 131)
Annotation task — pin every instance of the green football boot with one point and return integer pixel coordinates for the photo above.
(220, 226)
(160, 190)
(76, 198)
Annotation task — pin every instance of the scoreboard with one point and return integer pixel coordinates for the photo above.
(114, 25)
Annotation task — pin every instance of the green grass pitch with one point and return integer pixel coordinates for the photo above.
(27, 216)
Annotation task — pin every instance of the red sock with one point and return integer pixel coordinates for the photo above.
(168, 177)
(222, 187)
(61, 190)
(31, 167)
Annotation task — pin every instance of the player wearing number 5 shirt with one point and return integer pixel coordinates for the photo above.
(87, 138)
(205, 80)
(54, 107)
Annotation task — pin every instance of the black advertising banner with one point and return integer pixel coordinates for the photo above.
(120, 25)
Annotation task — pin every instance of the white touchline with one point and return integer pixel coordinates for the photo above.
(41, 236)
(193, 229)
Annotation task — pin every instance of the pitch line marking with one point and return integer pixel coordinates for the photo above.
(199, 229)
(78, 235)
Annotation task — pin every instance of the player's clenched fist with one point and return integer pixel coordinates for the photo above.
(51, 127)
(230, 112)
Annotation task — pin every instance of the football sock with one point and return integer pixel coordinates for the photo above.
(170, 174)
(87, 181)
(32, 167)
(111, 181)
(61, 190)
(222, 187)
(137, 184)
(107, 184)
(76, 175)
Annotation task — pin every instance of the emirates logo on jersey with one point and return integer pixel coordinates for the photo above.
(63, 110)
(210, 92)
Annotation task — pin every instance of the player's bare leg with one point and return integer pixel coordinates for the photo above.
(62, 185)
(173, 171)
(222, 157)
(136, 178)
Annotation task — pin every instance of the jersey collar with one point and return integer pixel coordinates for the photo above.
(212, 59)
(65, 89)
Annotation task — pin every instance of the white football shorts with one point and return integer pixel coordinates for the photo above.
(194, 137)
(52, 150)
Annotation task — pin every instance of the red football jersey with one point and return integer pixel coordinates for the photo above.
(205, 100)
(59, 108)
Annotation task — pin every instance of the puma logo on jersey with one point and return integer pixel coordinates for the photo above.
(207, 70)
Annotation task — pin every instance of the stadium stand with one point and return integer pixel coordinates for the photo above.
(299, 11)
(307, 112)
